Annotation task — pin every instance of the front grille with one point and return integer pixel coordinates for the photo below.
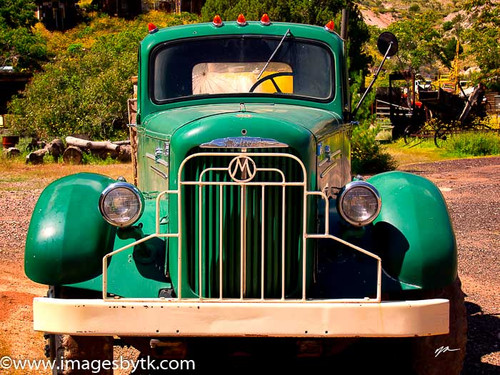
(243, 238)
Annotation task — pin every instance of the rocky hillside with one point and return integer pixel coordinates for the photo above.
(382, 13)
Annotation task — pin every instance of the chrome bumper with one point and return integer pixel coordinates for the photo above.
(91, 317)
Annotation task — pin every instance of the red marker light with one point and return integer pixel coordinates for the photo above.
(330, 26)
(152, 28)
(241, 20)
(265, 20)
(217, 21)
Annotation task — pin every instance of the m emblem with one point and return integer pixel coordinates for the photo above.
(242, 169)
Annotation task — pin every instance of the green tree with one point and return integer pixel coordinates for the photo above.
(84, 89)
(17, 13)
(483, 38)
(420, 41)
(314, 12)
(19, 46)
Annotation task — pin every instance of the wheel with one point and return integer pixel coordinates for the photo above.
(443, 354)
(73, 354)
(271, 78)
(441, 135)
(414, 134)
(409, 134)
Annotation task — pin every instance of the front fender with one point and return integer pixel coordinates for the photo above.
(67, 236)
(413, 233)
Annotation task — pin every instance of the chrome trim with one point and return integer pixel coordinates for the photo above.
(158, 161)
(328, 169)
(121, 185)
(158, 172)
(245, 165)
(243, 142)
(329, 158)
(243, 184)
(349, 187)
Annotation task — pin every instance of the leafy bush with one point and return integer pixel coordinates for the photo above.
(474, 144)
(414, 8)
(447, 26)
(357, 89)
(367, 155)
(19, 46)
(85, 89)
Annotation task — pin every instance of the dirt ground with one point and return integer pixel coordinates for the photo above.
(470, 187)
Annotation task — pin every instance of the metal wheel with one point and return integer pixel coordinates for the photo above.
(410, 135)
(441, 135)
(415, 134)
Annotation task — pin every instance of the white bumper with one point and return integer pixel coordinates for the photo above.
(183, 319)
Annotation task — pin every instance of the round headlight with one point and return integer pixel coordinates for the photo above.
(359, 203)
(121, 204)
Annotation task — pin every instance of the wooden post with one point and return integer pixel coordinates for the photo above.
(132, 121)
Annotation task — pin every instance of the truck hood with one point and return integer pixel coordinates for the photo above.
(166, 123)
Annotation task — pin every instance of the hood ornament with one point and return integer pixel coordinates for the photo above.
(243, 142)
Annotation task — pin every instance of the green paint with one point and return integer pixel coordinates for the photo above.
(68, 237)
(413, 232)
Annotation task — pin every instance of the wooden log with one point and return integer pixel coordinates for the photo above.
(35, 144)
(73, 155)
(56, 148)
(92, 145)
(125, 154)
(122, 143)
(13, 152)
(102, 154)
(36, 157)
(78, 142)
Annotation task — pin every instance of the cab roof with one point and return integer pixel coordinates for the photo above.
(233, 28)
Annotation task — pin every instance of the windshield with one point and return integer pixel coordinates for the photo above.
(231, 66)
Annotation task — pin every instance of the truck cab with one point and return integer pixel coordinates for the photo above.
(245, 220)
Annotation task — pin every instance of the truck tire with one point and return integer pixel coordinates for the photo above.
(74, 354)
(68, 352)
(443, 354)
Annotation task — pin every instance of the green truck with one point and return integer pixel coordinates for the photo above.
(245, 225)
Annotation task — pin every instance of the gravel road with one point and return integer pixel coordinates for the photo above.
(470, 187)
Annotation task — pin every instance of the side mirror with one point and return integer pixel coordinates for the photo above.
(387, 43)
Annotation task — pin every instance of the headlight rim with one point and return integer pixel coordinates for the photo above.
(121, 185)
(357, 184)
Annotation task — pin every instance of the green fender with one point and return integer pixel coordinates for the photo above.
(67, 236)
(413, 232)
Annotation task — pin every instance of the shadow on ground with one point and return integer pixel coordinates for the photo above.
(483, 339)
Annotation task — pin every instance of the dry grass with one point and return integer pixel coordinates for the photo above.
(41, 175)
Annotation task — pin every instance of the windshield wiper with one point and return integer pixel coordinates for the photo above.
(274, 53)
